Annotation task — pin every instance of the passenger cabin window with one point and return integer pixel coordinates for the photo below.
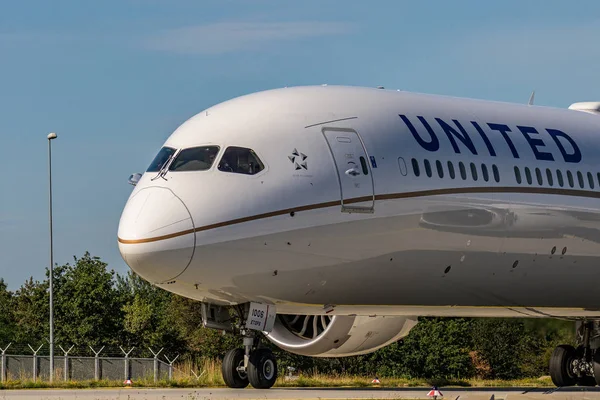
(518, 175)
(474, 171)
(559, 177)
(240, 160)
(195, 159)
(570, 178)
(549, 177)
(484, 171)
(580, 179)
(415, 165)
(528, 175)
(161, 158)
(463, 171)
(452, 174)
(440, 169)
(427, 168)
(538, 175)
(496, 173)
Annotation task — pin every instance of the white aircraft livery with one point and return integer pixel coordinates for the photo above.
(327, 219)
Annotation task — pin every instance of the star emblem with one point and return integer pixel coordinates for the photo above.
(298, 159)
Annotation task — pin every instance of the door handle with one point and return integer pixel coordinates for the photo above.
(352, 172)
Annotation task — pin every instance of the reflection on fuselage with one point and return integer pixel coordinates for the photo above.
(509, 220)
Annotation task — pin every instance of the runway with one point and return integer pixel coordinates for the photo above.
(302, 393)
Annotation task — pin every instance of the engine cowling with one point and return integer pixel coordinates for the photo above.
(337, 336)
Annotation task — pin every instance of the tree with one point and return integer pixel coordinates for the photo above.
(87, 306)
(541, 337)
(31, 312)
(199, 341)
(7, 322)
(502, 344)
(148, 317)
(436, 348)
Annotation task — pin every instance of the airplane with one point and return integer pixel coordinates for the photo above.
(329, 218)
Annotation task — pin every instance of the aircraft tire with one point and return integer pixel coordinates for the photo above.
(262, 369)
(560, 366)
(232, 377)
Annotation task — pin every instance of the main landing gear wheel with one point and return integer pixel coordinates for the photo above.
(561, 366)
(262, 369)
(233, 375)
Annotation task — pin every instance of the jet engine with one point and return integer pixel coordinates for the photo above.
(337, 336)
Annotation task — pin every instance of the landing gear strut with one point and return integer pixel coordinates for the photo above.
(251, 365)
(571, 366)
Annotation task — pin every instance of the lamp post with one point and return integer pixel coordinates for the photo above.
(51, 136)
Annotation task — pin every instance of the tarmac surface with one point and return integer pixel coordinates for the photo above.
(302, 393)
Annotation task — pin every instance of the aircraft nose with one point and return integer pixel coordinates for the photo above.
(156, 235)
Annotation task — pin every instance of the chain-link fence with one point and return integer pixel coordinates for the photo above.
(104, 364)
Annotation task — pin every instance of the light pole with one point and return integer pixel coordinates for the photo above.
(51, 136)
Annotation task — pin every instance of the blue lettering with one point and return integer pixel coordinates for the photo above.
(462, 136)
(530, 134)
(503, 129)
(573, 157)
(433, 144)
(535, 143)
(488, 144)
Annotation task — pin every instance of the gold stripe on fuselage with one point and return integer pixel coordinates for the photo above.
(390, 196)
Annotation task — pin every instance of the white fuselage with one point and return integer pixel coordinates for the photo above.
(321, 227)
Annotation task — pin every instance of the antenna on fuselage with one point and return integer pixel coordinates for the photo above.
(531, 98)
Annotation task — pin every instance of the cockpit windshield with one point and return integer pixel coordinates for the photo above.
(161, 158)
(195, 159)
(240, 160)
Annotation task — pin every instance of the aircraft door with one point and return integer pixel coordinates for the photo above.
(353, 169)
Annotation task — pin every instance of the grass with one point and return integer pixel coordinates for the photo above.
(319, 380)
(209, 375)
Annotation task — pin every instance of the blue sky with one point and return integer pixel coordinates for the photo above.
(115, 78)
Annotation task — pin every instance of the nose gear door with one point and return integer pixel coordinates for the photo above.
(353, 169)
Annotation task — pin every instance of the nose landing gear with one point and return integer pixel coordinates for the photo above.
(253, 364)
(580, 366)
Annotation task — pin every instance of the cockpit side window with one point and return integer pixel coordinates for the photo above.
(240, 160)
(195, 159)
(161, 158)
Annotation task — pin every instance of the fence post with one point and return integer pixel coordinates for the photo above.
(35, 361)
(196, 375)
(3, 363)
(66, 361)
(171, 366)
(127, 368)
(96, 362)
(155, 362)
